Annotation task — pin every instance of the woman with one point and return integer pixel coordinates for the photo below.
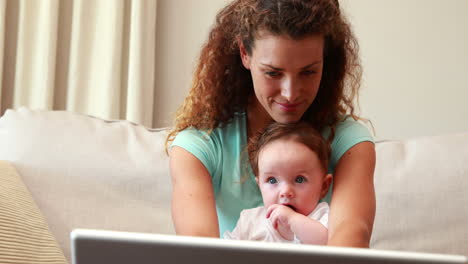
(265, 61)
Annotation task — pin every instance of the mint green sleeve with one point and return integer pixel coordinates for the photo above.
(203, 146)
(348, 133)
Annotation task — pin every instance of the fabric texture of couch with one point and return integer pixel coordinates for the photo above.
(85, 172)
(24, 234)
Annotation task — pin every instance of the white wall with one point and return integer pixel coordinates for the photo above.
(182, 27)
(414, 53)
(415, 57)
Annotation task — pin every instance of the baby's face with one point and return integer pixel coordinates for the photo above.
(291, 174)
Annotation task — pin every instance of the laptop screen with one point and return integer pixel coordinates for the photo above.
(99, 246)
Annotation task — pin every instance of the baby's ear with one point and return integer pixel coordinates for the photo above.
(327, 180)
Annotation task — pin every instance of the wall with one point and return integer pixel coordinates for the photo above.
(415, 57)
(182, 26)
(414, 54)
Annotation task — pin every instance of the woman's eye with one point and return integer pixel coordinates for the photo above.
(273, 73)
(272, 180)
(308, 72)
(300, 179)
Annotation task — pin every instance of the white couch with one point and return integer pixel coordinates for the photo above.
(76, 171)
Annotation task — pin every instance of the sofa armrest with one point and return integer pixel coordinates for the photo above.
(86, 172)
(24, 234)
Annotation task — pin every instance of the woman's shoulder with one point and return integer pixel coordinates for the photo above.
(210, 146)
(352, 128)
(348, 127)
(348, 132)
(233, 126)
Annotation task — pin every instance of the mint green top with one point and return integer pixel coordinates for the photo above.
(223, 152)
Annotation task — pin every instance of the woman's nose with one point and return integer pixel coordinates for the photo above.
(290, 89)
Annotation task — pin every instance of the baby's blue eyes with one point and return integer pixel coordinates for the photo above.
(272, 180)
(300, 179)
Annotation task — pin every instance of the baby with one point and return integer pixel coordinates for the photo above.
(290, 162)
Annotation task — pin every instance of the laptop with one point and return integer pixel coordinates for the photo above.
(100, 246)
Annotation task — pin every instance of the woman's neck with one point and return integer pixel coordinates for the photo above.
(257, 118)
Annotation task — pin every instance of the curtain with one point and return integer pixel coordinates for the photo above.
(94, 57)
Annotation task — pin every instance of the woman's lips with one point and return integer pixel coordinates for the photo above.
(288, 107)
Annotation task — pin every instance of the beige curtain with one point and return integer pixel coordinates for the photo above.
(89, 56)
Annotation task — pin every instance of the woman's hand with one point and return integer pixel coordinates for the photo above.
(193, 202)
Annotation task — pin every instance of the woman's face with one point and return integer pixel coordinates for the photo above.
(286, 75)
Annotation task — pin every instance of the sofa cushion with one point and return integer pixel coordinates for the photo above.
(85, 172)
(422, 200)
(24, 234)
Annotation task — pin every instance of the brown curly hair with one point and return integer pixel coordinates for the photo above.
(301, 132)
(222, 86)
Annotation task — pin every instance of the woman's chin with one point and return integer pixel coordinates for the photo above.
(287, 118)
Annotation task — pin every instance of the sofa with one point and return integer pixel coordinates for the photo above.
(61, 170)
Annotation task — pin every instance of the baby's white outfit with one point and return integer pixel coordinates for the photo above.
(253, 225)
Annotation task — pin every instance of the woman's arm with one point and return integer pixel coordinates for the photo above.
(352, 208)
(193, 202)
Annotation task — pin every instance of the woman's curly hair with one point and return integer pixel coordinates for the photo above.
(222, 86)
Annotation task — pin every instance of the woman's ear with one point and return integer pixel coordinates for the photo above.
(326, 185)
(244, 55)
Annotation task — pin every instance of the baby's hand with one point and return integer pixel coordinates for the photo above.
(280, 216)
